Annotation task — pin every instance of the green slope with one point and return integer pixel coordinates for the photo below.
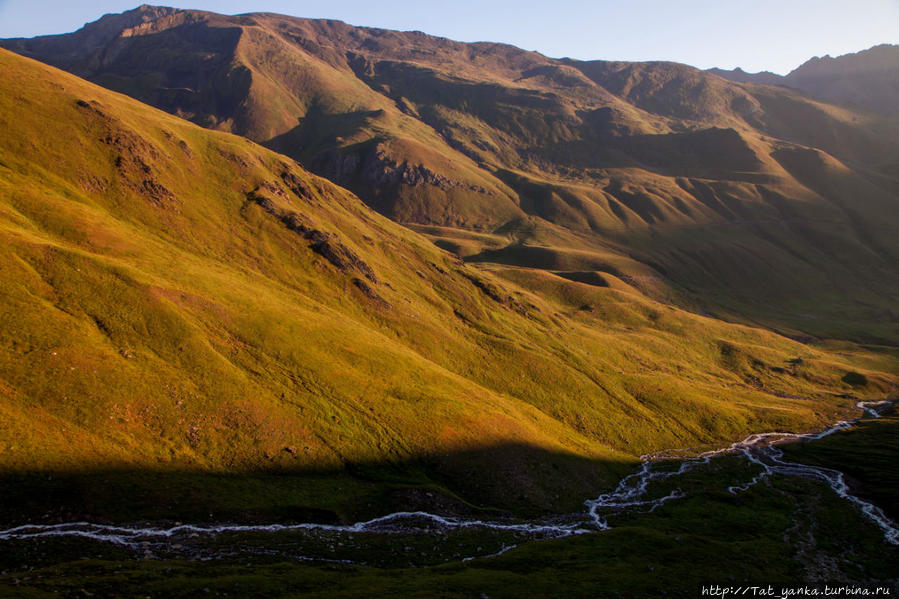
(177, 301)
(750, 202)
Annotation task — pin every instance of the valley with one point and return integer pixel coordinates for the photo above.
(753, 203)
(292, 307)
(409, 540)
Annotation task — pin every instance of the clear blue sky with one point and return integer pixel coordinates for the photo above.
(775, 35)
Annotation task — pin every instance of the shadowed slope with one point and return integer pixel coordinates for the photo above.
(868, 79)
(791, 529)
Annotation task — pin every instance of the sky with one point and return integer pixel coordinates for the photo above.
(756, 35)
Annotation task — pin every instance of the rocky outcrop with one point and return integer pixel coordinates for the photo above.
(134, 157)
(378, 168)
(327, 245)
(495, 293)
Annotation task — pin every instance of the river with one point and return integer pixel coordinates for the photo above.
(631, 494)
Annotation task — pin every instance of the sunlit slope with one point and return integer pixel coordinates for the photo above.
(176, 297)
(747, 201)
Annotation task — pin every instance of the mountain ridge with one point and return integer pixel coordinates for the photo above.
(564, 165)
(588, 268)
(868, 79)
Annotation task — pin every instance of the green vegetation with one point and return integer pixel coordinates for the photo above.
(187, 304)
(866, 454)
(752, 203)
(784, 530)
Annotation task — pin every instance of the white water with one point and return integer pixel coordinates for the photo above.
(404, 522)
(759, 449)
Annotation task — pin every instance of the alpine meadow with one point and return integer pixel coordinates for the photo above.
(294, 308)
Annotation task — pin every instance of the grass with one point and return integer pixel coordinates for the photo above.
(865, 454)
(158, 317)
(752, 203)
(783, 531)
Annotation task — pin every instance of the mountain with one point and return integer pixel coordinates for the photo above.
(180, 304)
(749, 202)
(740, 76)
(868, 79)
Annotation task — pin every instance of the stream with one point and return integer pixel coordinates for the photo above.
(421, 538)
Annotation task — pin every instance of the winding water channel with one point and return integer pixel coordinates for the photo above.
(631, 494)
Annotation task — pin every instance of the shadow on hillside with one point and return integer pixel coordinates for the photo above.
(707, 153)
(500, 481)
(320, 131)
(142, 70)
(866, 454)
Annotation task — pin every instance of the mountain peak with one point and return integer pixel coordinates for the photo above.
(866, 78)
(740, 76)
(145, 13)
(153, 10)
(880, 57)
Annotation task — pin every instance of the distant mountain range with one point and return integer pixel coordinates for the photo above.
(868, 79)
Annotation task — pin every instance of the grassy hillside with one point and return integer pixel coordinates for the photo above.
(750, 202)
(180, 303)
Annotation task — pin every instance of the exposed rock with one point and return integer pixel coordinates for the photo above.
(328, 245)
(338, 254)
(495, 293)
(134, 159)
(296, 185)
(370, 293)
(378, 168)
(232, 157)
